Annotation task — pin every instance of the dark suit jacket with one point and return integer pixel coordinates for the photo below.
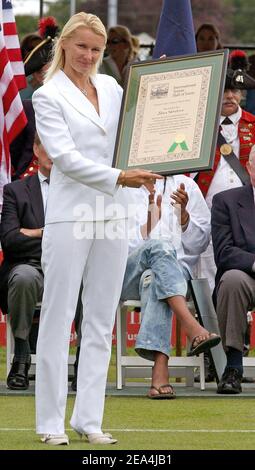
(233, 230)
(22, 208)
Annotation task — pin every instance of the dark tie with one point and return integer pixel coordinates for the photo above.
(47, 180)
(226, 121)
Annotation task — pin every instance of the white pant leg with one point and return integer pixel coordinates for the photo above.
(63, 261)
(207, 267)
(102, 287)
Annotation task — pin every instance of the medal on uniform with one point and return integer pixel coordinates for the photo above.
(226, 149)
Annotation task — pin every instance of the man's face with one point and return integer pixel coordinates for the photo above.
(231, 101)
(45, 163)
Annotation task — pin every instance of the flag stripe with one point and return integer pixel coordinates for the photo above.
(20, 122)
(9, 29)
(14, 56)
(12, 78)
(6, 74)
(6, 149)
(11, 40)
(14, 110)
(8, 98)
(7, 16)
(20, 81)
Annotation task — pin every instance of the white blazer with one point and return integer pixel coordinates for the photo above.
(81, 145)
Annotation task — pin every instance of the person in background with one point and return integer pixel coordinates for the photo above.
(120, 53)
(85, 238)
(233, 227)
(37, 60)
(237, 129)
(163, 251)
(21, 277)
(39, 55)
(208, 38)
(239, 61)
(28, 43)
(136, 47)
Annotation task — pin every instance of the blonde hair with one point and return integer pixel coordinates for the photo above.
(135, 45)
(86, 20)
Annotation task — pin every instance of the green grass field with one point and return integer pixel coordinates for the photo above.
(140, 423)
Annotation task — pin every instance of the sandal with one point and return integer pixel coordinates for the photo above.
(160, 395)
(198, 347)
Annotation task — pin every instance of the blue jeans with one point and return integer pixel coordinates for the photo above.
(153, 274)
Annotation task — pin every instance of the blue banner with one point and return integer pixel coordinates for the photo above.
(175, 35)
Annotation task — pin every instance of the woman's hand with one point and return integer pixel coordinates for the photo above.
(137, 178)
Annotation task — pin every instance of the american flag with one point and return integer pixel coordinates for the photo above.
(12, 78)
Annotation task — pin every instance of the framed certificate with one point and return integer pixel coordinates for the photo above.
(170, 114)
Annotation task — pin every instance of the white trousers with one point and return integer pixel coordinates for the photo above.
(207, 267)
(67, 260)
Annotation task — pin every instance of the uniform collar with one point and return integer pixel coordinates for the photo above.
(235, 118)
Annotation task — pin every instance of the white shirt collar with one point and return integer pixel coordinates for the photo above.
(253, 192)
(235, 118)
(41, 177)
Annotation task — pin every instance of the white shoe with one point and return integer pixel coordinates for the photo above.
(55, 439)
(101, 438)
(80, 434)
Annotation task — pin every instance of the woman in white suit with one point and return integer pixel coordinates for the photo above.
(84, 238)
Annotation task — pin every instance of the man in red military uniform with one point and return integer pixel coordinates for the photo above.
(241, 134)
(237, 129)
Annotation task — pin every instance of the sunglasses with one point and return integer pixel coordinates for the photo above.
(116, 41)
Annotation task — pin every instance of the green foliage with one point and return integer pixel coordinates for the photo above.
(26, 24)
(242, 19)
(60, 10)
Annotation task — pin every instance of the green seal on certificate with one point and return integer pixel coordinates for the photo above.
(226, 149)
(179, 140)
